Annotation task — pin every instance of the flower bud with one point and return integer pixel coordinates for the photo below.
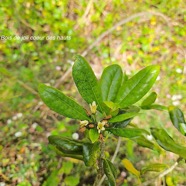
(93, 107)
(83, 123)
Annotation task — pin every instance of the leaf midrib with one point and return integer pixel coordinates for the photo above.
(91, 87)
(111, 83)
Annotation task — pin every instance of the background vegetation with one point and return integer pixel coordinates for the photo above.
(38, 41)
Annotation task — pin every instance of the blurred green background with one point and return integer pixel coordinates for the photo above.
(38, 40)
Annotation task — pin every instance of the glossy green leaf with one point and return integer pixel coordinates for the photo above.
(130, 167)
(177, 118)
(127, 132)
(155, 167)
(93, 135)
(137, 86)
(86, 82)
(155, 107)
(149, 100)
(110, 172)
(66, 145)
(144, 142)
(61, 104)
(90, 153)
(111, 105)
(110, 83)
(122, 124)
(167, 143)
(123, 117)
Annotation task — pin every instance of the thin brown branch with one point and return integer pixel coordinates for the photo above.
(109, 31)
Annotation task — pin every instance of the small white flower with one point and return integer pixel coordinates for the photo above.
(176, 103)
(19, 115)
(40, 103)
(15, 117)
(58, 68)
(34, 125)
(2, 184)
(149, 137)
(83, 123)
(176, 97)
(158, 78)
(75, 136)
(9, 121)
(93, 107)
(179, 70)
(100, 126)
(18, 134)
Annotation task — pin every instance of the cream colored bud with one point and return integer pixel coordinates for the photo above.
(83, 123)
(93, 107)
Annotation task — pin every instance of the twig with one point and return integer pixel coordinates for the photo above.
(168, 170)
(122, 22)
(82, 19)
(161, 175)
(27, 87)
(104, 34)
(112, 160)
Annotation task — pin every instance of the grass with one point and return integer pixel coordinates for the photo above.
(25, 157)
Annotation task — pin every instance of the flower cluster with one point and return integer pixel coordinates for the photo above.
(100, 124)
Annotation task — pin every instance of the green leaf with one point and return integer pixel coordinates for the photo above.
(110, 83)
(111, 105)
(90, 153)
(66, 145)
(127, 132)
(86, 82)
(155, 107)
(123, 117)
(155, 167)
(137, 86)
(93, 135)
(177, 118)
(53, 179)
(129, 166)
(122, 124)
(61, 104)
(167, 143)
(71, 180)
(143, 141)
(110, 172)
(149, 100)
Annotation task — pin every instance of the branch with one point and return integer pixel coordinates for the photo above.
(167, 171)
(112, 160)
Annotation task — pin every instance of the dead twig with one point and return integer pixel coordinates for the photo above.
(104, 34)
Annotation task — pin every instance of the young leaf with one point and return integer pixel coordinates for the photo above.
(90, 153)
(177, 118)
(137, 86)
(110, 172)
(93, 135)
(86, 82)
(123, 117)
(61, 104)
(149, 100)
(155, 167)
(129, 166)
(127, 132)
(110, 83)
(167, 143)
